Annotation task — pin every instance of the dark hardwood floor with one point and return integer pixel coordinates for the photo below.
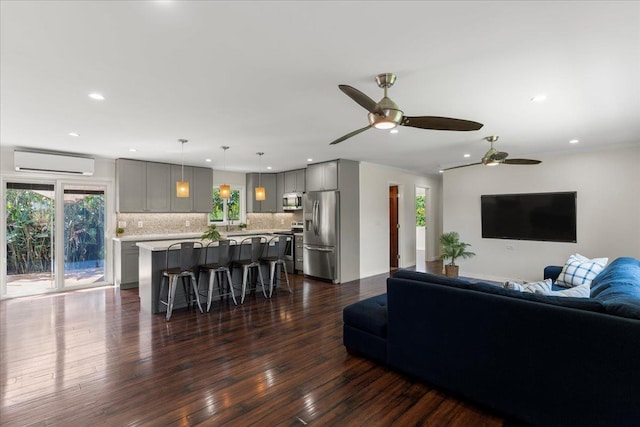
(92, 358)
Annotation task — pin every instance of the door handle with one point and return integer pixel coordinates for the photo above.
(317, 249)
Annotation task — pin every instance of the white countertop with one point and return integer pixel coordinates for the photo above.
(195, 235)
(161, 245)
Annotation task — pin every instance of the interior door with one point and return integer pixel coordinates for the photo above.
(394, 255)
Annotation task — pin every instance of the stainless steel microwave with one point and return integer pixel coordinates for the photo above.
(292, 201)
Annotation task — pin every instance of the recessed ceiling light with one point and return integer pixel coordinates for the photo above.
(539, 98)
(574, 141)
(309, 160)
(96, 96)
(207, 160)
(393, 131)
(467, 155)
(269, 168)
(74, 134)
(440, 171)
(133, 150)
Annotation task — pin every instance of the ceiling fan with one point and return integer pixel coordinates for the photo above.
(494, 157)
(386, 114)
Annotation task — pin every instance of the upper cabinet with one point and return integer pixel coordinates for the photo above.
(269, 182)
(151, 187)
(280, 191)
(294, 181)
(322, 176)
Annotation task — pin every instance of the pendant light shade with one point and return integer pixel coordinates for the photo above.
(225, 189)
(182, 186)
(261, 193)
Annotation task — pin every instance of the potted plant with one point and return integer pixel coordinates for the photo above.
(211, 233)
(453, 248)
(119, 231)
(242, 226)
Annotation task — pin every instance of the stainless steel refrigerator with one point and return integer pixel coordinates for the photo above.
(321, 234)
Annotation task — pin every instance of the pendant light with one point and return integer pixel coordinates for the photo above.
(225, 189)
(182, 186)
(261, 194)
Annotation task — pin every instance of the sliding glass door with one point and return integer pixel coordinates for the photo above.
(53, 246)
(84, 245)
(30, 235)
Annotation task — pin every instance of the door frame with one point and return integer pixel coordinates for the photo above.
(394, 226)
(59, 182)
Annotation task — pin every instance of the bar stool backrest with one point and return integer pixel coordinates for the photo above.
(281, 244)
(256, 247)
(187, 255)
(224, 251)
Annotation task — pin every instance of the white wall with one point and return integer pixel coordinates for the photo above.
(608, 210)
(374, 216)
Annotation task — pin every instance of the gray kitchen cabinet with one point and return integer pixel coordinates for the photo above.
(294, 181)
(280, 190)
(158, 187)
(200, 189)
(131, 185)
(151, 187)
(269, 182)
(298, 251)
(126, 264)
(322, 176)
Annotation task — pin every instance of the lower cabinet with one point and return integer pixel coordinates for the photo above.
(299, 250)
(126, 264)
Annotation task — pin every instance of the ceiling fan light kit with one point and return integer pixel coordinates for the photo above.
(494, 157)
(386, 114)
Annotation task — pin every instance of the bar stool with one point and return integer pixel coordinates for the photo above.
(218, 267)
(254, 244)
(281, 245)
(186, 269)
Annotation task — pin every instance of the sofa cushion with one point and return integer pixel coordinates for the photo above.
(570, 302)
(369, 315)
(580, 270)
(618, 287)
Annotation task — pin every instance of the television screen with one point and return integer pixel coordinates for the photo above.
(541, 216)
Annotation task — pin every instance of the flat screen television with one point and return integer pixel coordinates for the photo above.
(547, 217)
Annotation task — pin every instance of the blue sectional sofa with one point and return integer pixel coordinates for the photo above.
(541, 360)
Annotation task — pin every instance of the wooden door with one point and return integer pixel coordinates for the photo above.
(393, 226)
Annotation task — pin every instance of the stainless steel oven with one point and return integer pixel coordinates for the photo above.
(290, 250)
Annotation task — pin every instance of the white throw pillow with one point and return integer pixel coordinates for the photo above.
(541, 287)
(579, 270)
(582, 291)
(544, 287)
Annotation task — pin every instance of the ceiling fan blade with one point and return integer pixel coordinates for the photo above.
(521, 162)
(369, 104)
(349, 135)
(462, 166)
(440, 123)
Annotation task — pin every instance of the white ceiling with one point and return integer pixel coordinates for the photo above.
(264, 75)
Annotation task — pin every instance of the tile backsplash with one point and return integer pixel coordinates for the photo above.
(158, 223)
(261, 221)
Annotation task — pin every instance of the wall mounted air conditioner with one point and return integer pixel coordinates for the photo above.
(31, 161)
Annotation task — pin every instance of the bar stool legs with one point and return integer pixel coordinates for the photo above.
(273, 265)
(212, 280)
(245, 273)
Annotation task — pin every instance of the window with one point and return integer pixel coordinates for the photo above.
(228, 210)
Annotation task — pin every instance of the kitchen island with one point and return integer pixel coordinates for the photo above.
(152, 261)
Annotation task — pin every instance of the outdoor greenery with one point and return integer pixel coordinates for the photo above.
(233, 206)
(30, 222)
(420, 211)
